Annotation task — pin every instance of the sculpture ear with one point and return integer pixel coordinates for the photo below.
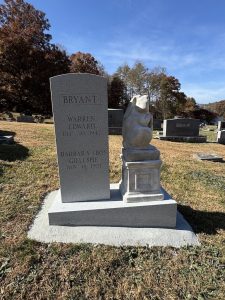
(134, 100)
(129, 108)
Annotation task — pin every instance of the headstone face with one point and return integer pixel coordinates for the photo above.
(115, 117)
(181, 127)
(157, 124)
(25, 119)
(221, 125)
(81, 126)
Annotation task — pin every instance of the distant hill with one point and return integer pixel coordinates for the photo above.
(217, 107)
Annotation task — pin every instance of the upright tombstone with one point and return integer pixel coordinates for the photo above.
(25, 119)
(81, 126)
(221, 132)
(182, 130)
(221, 137)
(221, 125)
(115, 117)
(157, 124)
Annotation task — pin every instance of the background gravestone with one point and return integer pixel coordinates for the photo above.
(221, 137)
(81, 127)
(221, 125)
(181, 127)
(25, 119)
(157, 124)
(115, 117)
(182, 130)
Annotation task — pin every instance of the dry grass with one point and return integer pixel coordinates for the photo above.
(31, 270)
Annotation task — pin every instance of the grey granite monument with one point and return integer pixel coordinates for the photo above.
(157, 124)
(85, 199)
(79, 104)
(144, 215)
(221, 125)
(221, 137)
(182, 130)
(25, 119)
(221, 132)
(115, 117)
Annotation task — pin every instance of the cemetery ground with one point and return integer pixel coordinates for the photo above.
(33, 270)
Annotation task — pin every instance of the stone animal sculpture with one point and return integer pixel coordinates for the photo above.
(137, 124)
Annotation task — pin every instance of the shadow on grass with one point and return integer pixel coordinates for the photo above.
(13, 152)
(203, 221)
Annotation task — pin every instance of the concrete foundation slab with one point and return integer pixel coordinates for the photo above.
(114, 212)
(187, 139)
(115, 236)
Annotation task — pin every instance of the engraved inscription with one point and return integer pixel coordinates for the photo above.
(182, 125)
(84, 99)
(81, 124)
(83, 159)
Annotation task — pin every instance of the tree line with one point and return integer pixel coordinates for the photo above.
(217, 107)
(28, 59)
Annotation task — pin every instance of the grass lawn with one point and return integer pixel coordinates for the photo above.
(32, 270)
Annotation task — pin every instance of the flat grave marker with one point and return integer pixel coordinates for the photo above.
(208, 156)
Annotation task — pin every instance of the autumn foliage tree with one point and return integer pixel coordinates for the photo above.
(163, 90)
(217, 107)
(85, 63)
(27, 57)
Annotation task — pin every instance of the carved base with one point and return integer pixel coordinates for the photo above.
(150, 153)
(141, 181)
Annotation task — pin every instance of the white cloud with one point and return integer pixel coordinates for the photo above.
(205, 94)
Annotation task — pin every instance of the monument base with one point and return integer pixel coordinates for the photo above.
(181, 235)
(114, 212)
(115, 130)
(187, 139)
(141, 181)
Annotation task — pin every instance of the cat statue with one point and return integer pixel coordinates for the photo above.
(137, 124)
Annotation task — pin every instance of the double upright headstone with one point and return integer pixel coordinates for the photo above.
(85, 198)
(182, 130)
(81, 127)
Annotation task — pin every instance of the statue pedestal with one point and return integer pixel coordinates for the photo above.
(141, 181)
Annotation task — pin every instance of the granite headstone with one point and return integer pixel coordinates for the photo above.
(221, 137)
(186, 130)
(157, 124)
(115, 117)
(25, 119)
(221, 125)
(81, 126)
(181, 127)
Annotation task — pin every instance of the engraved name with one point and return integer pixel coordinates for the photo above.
(81, 99)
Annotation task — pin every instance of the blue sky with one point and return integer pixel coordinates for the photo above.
(187, 37)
